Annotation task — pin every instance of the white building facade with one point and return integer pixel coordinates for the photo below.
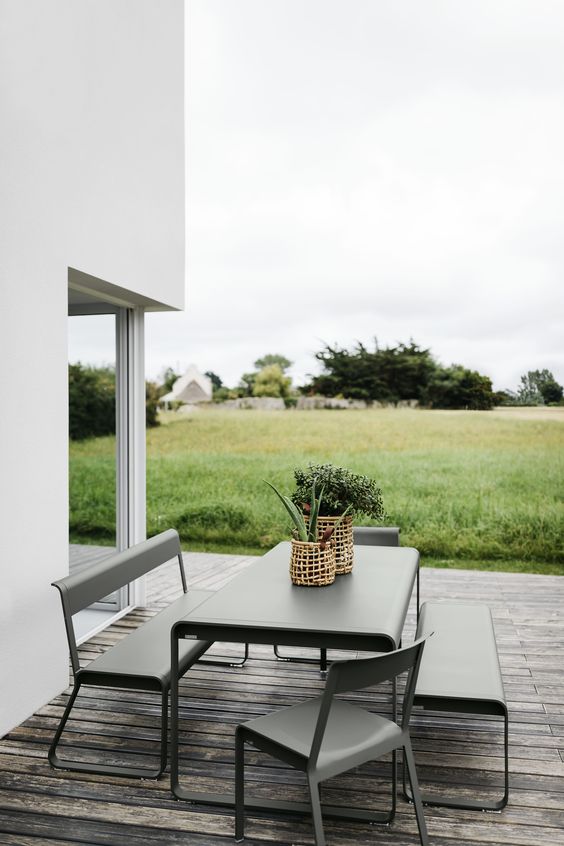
(92, 200)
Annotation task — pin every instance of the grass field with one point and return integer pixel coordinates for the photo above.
(471, 489)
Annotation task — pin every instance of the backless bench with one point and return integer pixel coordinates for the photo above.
(460, 673)
(141, 661)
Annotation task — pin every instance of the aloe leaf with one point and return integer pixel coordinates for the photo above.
(343, 515)
(295, 515)
(315, 515)
(312, 524)
(298, 519)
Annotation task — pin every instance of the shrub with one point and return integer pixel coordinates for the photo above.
(152, 400)
(271, 382)
(458, 387)
(223, 516)
(92, 401)
(341, 489)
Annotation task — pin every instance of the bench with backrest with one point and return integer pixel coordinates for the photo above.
(460, 673)
(141, 660)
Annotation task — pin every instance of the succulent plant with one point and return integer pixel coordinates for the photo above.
(305, 519)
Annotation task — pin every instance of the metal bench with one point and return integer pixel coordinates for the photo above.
(141, 661)
(460, 673)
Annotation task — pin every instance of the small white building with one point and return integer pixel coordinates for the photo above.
(191, 388)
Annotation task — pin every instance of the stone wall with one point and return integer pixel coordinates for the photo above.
(329, 402)
(262, 403)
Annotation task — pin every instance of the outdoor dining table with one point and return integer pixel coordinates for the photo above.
(362, 611)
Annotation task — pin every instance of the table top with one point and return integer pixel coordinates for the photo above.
(363, 609)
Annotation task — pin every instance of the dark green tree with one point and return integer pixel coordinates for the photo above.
(388, 374)
(458, 387)
(215, 380)
(551, 391)
(92, 401)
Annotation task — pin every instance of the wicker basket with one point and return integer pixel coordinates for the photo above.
(342, 539)
(311, 565)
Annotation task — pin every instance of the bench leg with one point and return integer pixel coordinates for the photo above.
(322, 660)
(224, 661)
(109, 769)
(470, 804)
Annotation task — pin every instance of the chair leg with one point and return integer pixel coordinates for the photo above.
(239, 785)
(421, 825)
(316, 812)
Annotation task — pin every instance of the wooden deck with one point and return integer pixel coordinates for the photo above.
(39, 805)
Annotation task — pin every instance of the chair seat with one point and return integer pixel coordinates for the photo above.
(350, 734)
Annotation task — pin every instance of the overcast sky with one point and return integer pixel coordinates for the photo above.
(363, 168)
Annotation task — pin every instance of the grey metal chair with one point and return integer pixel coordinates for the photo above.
(326, 736)
(362, 536)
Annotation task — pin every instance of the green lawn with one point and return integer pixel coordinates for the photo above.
(470, 489)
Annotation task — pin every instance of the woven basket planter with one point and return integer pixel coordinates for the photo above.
(312, 565)
(342, 539)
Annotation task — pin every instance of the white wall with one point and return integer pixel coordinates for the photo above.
(91, 177)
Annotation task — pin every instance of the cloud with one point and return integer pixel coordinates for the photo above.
(372, 169)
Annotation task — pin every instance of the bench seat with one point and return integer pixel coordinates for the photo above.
(143, 656)
(460, 673)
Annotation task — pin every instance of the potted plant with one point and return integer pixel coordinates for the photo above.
(344, 492)
(312, 560)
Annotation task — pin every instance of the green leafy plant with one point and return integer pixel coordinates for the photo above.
(343, 491)
(305, 524)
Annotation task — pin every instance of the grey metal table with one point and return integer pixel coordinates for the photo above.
(362, 611)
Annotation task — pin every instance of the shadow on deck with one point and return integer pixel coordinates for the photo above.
(44, 807)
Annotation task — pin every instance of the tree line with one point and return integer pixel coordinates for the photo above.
(395, 373)
(390, 374)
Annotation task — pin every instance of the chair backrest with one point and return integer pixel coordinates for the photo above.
(80, 589)
(356, 674)
(376, 535)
